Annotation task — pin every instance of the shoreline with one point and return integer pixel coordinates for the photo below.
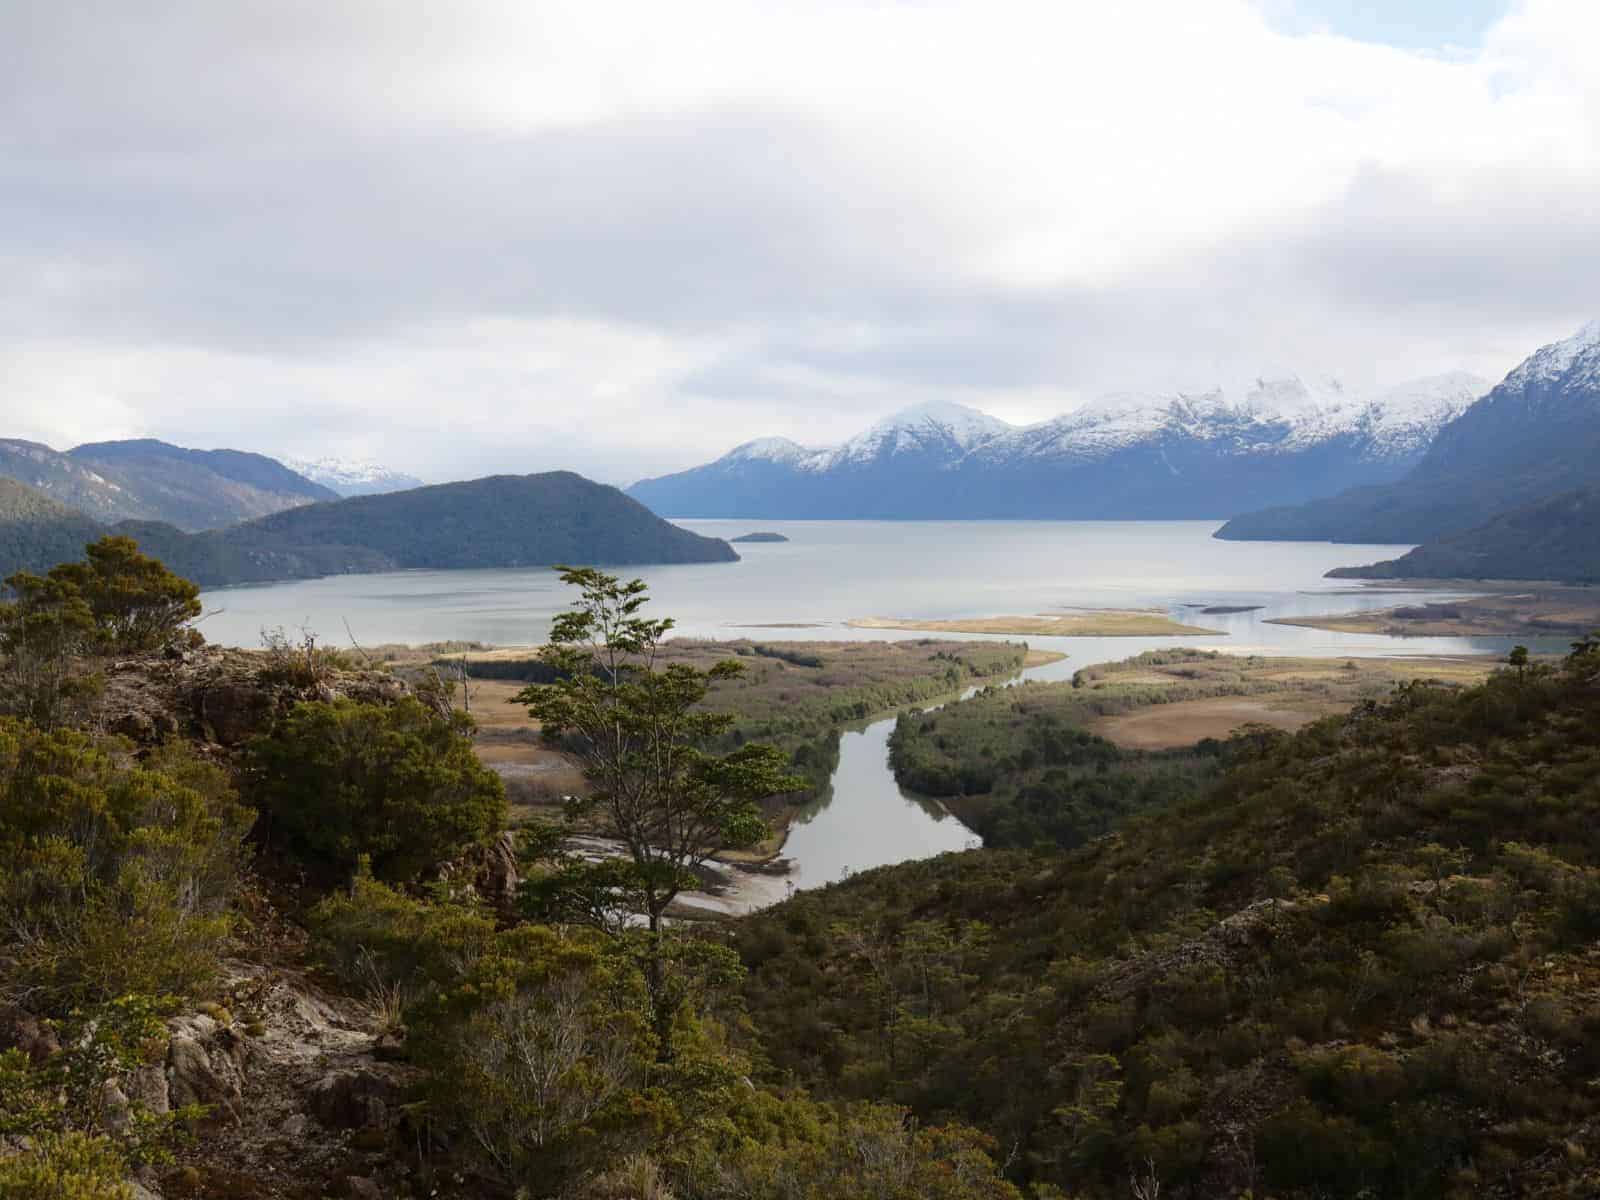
(1482, 608)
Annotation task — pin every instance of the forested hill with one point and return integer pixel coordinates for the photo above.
(1535, 435)
(1364, 963)
(1556, 539)
(501, 521)
(37, 532)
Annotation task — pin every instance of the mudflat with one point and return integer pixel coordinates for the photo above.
(1106, 622)
(1511, 609)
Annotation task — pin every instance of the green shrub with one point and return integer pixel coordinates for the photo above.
(398, 784)
(67, 1166)
(114, 877)
(393, 945)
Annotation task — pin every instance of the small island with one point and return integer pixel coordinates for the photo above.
(1086, 623)
(760, 536)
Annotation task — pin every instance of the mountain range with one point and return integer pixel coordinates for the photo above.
(1128, 456)
(1533, 436)
(502, 521)
(147, 480)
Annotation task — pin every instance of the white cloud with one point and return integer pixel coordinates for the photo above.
(622, 237)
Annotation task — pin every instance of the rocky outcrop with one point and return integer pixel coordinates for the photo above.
(354, 1099)
(223, 697)
(292, 1089)
(206, 1066)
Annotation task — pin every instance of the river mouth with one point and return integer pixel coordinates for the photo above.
(830, 572)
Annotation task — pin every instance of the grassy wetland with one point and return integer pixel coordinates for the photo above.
(1065, 762)
(795, 695)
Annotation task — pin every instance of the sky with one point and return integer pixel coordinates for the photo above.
(620, 238)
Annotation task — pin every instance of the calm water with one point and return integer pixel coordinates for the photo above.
(833, 571)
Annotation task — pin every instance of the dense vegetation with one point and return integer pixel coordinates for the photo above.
(395, 785)
(1361, 963)
(1018, 765)
(1558, 539)
(36, 532)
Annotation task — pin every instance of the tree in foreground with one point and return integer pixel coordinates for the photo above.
(644, 739)
(53, 626)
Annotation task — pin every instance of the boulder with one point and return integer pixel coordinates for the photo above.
(205, 1065)
(354, 1100)
(147, 1087)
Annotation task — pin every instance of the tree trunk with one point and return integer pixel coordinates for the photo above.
(661, 1006)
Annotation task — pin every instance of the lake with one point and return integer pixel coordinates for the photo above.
(833, 571)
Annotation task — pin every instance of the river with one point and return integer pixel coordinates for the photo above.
(831, 572)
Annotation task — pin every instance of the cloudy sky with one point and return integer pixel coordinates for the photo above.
(621, 237)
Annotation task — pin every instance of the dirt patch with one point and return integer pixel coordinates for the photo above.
(1186, 722)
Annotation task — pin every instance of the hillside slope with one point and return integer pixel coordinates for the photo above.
(1363, 963)
(147, 480)
(36, 532)
(501, 521)
(1534, 435)
(1555, 539)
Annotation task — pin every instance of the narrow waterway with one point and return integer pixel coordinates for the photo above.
(865, 819)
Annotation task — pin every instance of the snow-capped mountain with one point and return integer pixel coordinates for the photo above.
(1536, 434)
(1123, 456)
(353, 477)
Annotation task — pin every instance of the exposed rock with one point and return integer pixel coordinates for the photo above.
(205, 1065)
(359, 1187)
(307, 1050)
(21, 1030)
(390, 1045)
(222, 696)
(497, 878)
(115, 1111)
(354, 1100)
(147, 1087)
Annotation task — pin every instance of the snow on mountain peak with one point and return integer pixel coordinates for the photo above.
(1554, 361)
(964, 424)
(768, 449)
(352, 476)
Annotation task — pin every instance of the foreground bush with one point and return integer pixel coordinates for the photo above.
(396, 784)
(70, 1166)
(115, 877)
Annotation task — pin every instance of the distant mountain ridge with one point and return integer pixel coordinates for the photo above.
(145, 479)
(1535, 435)
(502, 521)
(1125, 456)
(353, 477)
